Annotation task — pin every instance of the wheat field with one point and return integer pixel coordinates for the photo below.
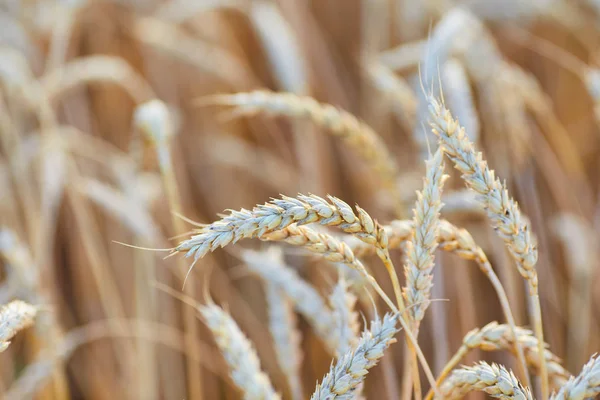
(293, 199)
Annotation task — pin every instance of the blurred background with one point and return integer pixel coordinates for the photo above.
(78, 172)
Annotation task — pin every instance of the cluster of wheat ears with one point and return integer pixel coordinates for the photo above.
(84, 224)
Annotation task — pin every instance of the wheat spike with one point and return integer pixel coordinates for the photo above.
(503, 211)
(349, 371)
(345, 318)
(421, 247)
(239, 354)
(494, 337)
(270, 267)
(286, 337)
(279, 214)
(354, 132)
(14, 317)
(586, 385)
(494, 380)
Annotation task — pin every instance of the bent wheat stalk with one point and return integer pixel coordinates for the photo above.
(503, 211)
(281, 213)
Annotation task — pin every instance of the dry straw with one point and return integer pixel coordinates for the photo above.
(494, 380)
(503, 211)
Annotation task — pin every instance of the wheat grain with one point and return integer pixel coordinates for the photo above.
(494, 380)
(349, 371)
(239, 354)
(586, 385)
(14, 317)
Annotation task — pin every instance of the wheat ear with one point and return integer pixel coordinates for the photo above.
(494, 380)
(239, 354)
(349, 371)
(270, 267)
(494, 337)
(421, 247)
(460, 242)
(345, 318)
(354, 132)
(286, 337)
(14, 317)
(420, 252)
(280, 214)
(586, 385)
(503, 211)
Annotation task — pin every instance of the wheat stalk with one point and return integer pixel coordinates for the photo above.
(349, 371)
(586, 385)
(503, 211)
(354, 132)
(244, 365)
(494, 380)
(14, 317)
